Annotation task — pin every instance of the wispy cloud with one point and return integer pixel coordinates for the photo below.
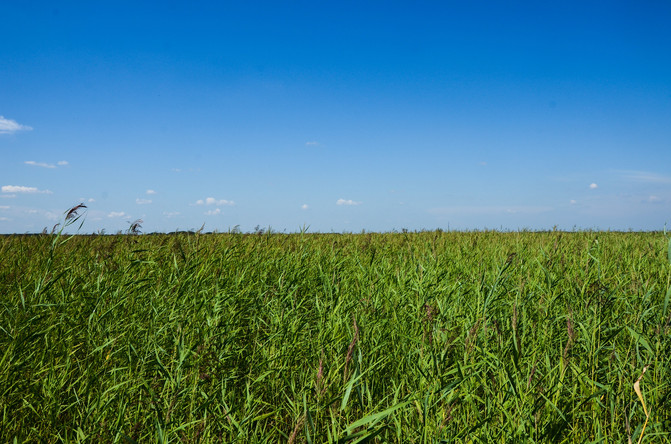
(645, 176)
(39, 164)
(4, 207)
(213, 212)
(593, 186)
(117, 214)
(305, 206)
(46, 165)
(9, 126)
(573, 201)
(7, 196)
(4, 219)
(347, 202)
(170, 214)
(312, 143)
(182, 170)
(150, 192)
(213, 201)
(22, 189)
(142, 201)
(492, 209)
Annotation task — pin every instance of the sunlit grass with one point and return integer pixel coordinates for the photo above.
(409, 337)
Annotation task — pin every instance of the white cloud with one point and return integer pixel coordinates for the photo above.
(170, 214)
(593, 186)
(573, 202)
(213, 201)
(90, 199)
(4, 207)
(39, 164)
(151, 192)
(654, 199)
(31, 211)
(142, 201)
(9, 126)
(347, 202)
(4, 218)
(8, 196)
(52, 216)
(46, 165)
(213, 212)
(117, 214)
(22, 189)
(305, 206)
(312, 143)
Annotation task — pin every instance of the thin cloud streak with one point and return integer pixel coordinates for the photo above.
(347, 202)
(645, 176)
(22, 189)
(493, 209)
(39, 164)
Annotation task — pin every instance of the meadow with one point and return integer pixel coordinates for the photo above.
(420, 337)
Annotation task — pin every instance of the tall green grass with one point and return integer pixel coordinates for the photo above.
(412, 337)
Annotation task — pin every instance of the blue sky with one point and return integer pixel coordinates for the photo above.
(340, 116)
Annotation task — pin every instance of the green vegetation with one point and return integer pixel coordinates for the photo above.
(400, 337)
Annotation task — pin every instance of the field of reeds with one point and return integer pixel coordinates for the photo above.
(397, 337)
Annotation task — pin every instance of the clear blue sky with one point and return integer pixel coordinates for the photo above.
(340, 116)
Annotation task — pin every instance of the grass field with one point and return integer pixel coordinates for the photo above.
(400, 337)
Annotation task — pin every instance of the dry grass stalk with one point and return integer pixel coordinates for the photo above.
(472, 336)
(320, 386)
(72, 212)
(297, 428)
(350, 349)
(571, 338)
(637, 389)
(430, 315)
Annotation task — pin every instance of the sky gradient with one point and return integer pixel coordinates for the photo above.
(336, 116)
